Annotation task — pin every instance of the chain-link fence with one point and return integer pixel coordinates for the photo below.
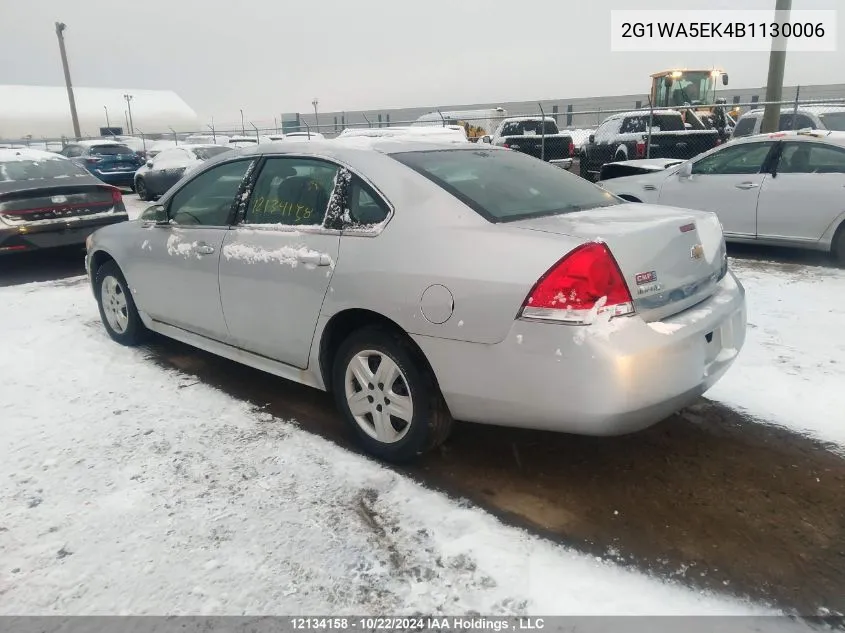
(593, 137)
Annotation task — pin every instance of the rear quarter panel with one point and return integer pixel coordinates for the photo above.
(434, 239)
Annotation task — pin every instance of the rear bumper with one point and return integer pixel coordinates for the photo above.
(606, 379)
(39, 236)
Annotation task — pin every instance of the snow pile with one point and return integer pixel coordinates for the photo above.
(792, 367)
(128, 488)
(288, 255)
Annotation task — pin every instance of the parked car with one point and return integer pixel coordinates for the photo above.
(806, 117)
(162, 172)
(48, 201)
(113, 163)
(777, 189)
(447, 134)
(206, 139)
(625, 136)
(621, 315)
(536, 136)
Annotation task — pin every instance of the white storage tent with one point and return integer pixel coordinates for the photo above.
(44, 111)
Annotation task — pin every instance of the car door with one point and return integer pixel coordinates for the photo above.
(173, 271)
(806, 194)
(278, 260)
(726, 182)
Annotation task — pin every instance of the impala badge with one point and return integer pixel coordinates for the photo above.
(697, 252)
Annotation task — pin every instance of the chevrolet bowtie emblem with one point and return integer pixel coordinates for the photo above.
(696, 252)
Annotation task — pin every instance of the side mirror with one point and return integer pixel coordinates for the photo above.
(686, 170)
(149, 163)
(725, 79)
(591, 138)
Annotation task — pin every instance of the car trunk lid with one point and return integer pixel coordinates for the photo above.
(58, 203)
(671, 258)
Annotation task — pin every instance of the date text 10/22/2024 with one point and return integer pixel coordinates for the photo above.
(457, 623)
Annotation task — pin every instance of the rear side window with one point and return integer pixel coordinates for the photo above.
(801, 122)
(745, 126)
(503, 186)
(110, 150)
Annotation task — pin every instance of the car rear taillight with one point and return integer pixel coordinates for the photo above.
(571, 149)
(116, 196)
(506, 146)
(582, 285)
(92, 160)
(640, 149)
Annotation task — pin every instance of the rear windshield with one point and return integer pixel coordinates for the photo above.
(503, 186)
(110, 150)
(15, 170)
(834, 121)
(522, 128)
(204, 153)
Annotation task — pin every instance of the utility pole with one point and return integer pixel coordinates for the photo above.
(60, 27)
(107, 116)
(316, 116)
(243, 125)
(777, 62)
(129, 109)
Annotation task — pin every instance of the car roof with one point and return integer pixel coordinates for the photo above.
(348, 149)
(24, 153)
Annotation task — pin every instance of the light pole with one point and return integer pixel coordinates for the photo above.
(243, 125)
(129, 109)
(60, 27)
(316, 115)
(777, 62)
(107, 116)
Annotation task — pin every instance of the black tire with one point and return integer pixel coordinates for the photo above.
(135, 331)
(141, 189)
(430, 422)
(839, 246)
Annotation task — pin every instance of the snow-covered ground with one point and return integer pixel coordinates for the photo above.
(129, 488)
(792, 369)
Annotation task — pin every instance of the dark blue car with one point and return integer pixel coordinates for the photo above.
(111, 162)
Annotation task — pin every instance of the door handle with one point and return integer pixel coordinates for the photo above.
(317, 259)
(204, 249)
(747, 185)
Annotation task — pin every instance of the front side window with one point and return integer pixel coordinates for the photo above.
(503, 186)
(207, 200)
(747, 158)
(292, 191)
(811, 158)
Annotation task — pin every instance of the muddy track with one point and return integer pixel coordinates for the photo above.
(706, 497)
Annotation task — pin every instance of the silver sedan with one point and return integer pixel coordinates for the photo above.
(421, 283)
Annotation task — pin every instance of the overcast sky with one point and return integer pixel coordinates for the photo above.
(272, 56)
